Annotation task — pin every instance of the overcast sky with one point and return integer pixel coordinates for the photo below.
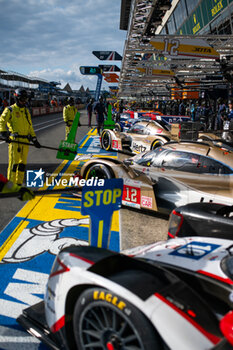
(51, 39)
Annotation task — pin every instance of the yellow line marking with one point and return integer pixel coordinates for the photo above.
(100, 233)
(12, 238)
(93, 131)
(81, 146)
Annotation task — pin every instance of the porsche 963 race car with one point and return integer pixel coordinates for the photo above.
(141, 136)
(172, 175)
(170, 295)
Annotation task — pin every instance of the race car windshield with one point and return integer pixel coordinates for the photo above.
(145, 159)
(148, 158)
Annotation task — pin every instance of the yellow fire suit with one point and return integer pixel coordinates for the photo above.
(69, 113)
(18, 121)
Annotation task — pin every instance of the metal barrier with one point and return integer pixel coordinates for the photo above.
(37, 111)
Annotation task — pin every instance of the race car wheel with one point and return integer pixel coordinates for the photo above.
(118, 127)
(156, 143)
(100, 171)
(103, 320)
(106, 140)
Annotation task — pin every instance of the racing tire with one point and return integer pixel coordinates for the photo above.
(104, 320)
(156, 143)
(106, 140)
(118, 127)
(100, 171)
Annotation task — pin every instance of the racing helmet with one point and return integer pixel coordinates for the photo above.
(21, 95)
(70, 100)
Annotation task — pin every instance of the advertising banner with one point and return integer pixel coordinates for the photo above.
(107, 55)
(184, 48)
(109, 68)
(87, 70)
(156, 72)
(111, 77)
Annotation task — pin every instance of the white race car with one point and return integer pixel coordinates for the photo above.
(175, 294)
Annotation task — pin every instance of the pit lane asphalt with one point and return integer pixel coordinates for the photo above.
(137, 228)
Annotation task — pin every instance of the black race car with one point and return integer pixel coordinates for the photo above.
(201, 219)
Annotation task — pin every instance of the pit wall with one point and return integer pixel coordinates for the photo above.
(37, 111)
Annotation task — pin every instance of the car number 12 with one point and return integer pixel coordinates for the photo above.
(131, 194)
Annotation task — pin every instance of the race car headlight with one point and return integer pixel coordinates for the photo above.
(226, 326)
(174, 224)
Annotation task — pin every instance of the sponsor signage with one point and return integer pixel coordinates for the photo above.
(107, 55)
(205, 12)
(149, 71)
(111, 77)
(194, 250)
(109, 68)
(88, 70)
(184, 48)
(131, 196)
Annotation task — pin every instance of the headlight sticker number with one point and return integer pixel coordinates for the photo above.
(131, 196)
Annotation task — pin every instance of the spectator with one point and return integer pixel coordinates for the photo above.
(181, 108)
(174, 108)
(121, 107)
(230, 112)
(220, 113)
(53, 103)
(100, 111)
(5, 102)
(226, 135)
(1, 106)
(89, 111)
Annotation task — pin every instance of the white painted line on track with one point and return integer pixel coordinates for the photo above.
(11, 338)
(45, 127)
(48, 121)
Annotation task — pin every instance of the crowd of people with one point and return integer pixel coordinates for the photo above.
(212, 113)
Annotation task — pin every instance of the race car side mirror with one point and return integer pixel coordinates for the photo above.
(128, 161)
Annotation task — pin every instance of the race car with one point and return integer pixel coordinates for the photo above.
(215, 139)
(170, 295)
(142, 136)
(172, 175)
(201, 219)
(164, 117)
(125, 122)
